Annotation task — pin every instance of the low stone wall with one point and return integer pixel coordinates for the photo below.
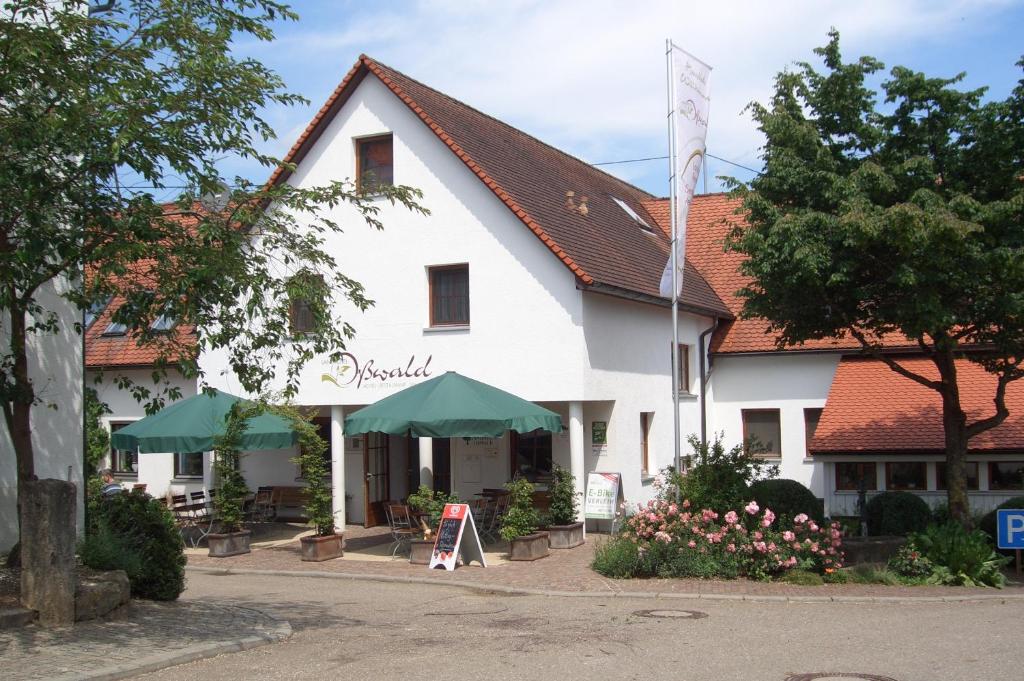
(99, 593)
(859, 550)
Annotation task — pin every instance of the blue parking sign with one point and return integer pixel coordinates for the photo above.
(1010, 524)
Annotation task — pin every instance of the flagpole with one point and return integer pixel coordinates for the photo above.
(675, 264)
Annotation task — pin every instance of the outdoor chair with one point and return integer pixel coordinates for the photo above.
(490, 532)
(481, 511)
(402, 529)
(262, 508)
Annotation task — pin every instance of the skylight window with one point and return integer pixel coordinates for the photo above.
(163, 323)
(633, 214)
(115, 329)
(94, 310)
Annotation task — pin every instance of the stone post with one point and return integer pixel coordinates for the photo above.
(426, 446)
(48, 550)
(576, 452)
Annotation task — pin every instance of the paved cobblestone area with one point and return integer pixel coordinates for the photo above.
(569, 571)
(143, 637)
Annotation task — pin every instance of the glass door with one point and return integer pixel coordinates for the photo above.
(376, 479)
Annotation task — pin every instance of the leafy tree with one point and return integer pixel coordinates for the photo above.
(97, 113)
(900, 222)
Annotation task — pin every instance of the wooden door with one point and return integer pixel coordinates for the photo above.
(442, 455)
(376, 478)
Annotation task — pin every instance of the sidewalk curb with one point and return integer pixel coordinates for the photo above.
(527, 591)
(280, 632)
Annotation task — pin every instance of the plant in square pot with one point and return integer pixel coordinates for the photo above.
(230, 539)
(325, 543)
(430, 506)
(564, 531)
(519, 526)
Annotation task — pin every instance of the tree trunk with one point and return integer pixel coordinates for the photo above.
(954, 426)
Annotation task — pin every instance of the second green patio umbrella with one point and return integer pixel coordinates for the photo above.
(452, 405)
(192, 424)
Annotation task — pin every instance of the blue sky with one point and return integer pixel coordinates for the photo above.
(589, 77)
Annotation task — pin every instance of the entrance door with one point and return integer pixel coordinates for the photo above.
(442, 454)
(377, 481)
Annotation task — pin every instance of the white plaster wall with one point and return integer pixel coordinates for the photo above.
(789, 383)
(524, 335)
(629, 371)
(156, 470)
(55, 366)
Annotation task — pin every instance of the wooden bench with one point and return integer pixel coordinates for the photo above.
(291, 498)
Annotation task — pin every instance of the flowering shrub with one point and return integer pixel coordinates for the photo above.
(673, 540)
(910, 562)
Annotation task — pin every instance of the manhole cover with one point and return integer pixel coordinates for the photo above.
(676, 614)
(834, 676)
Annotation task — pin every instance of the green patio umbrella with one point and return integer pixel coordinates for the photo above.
(192, 424)
(452, 405)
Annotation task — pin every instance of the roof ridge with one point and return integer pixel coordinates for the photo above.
(472, 108)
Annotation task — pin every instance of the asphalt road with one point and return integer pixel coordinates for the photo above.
(368, 630)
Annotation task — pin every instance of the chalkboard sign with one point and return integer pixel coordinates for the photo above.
(449, 539)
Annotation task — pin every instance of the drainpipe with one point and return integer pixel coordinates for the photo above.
(705, 376)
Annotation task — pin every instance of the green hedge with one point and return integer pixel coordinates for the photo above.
(136, 533)
(897, 513)
(787, 499)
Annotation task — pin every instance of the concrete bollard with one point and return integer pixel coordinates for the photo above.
(48, 550)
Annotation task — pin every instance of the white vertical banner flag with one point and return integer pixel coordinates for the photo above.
(689, 97)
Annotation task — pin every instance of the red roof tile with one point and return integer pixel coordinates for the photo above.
(711, 218)
(602, 246)
(872, 409)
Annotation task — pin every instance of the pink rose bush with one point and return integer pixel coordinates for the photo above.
(664, 539)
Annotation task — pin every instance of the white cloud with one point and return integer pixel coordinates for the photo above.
(589, 76)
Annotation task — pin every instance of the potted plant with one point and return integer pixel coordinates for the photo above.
(228, 507)
(430, 505)
(325, 543)
(564, 531)
(519, 526)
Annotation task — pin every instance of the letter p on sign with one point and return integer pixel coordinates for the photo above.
(1010, 524)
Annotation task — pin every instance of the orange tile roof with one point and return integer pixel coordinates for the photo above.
(711, 218)
(102, 351)
(872, 409)
(601, 246)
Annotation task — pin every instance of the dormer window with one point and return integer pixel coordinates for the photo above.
(633, 214)
(374, 163)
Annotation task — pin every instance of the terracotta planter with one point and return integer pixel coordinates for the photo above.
(529, 547)
(228, 544)
(318, 548)
(565, 536)
(420, 551)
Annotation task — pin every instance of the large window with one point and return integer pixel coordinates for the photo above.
(374, 163)
(850, 474)
(906, 475)
(188, 465)
(763, 427)
(449, 295)
(645, 440)
(123, 462)
(972, 475)
(1006, 475)
(532, 452)
(811, 418)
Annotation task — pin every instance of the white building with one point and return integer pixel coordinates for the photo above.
(538, 274)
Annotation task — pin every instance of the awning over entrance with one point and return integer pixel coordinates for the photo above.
(192, 424)
(452, 405)
(872, 409)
